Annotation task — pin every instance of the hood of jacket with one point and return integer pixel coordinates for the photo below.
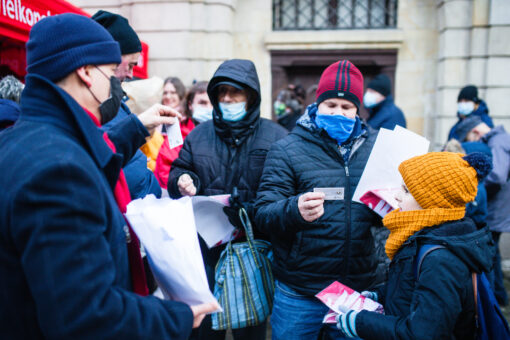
(242, 72)
(474, 247)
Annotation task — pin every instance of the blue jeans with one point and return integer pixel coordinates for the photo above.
(299, 317)
(496, 275)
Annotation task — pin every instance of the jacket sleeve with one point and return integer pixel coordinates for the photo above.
(435, 305)
(141, 181)
(127, 135)
(276, 204)
(183, 165)
(501, 165)
(69, 267)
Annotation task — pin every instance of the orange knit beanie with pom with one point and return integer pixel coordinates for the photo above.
(440, 180)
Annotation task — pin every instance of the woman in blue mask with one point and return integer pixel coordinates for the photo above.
(226, 155)
(319, 235)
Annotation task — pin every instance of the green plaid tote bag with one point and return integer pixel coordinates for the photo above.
(244, 282)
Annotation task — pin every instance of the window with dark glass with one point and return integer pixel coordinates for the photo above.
(333, 14)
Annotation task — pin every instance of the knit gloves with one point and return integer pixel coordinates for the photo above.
(346, 323)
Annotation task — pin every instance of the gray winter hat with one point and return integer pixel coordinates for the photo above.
(466, 125)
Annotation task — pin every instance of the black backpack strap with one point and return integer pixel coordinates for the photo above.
(423, 250)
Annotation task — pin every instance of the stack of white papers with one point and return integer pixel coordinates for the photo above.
(391, 148)
(166, 229)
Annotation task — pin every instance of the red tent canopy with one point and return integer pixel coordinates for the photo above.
(17, 18)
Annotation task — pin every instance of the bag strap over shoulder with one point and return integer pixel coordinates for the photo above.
(423, 251)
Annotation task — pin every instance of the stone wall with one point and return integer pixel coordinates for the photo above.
(442, 46)
(473, 49)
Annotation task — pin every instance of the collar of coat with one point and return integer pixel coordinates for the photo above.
(43, 101)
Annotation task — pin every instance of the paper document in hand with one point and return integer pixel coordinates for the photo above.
(391, 148)
(166, 229)
(174, 134)
(212, 223)
(340, 299)
(382, 201)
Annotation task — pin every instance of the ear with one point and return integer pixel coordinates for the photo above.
(84, 73)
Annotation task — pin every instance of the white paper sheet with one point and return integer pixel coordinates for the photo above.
(212, 223)
(391, 148)
(166, 229)
(174, 135)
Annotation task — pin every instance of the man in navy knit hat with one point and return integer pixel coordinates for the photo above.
(67, 256)
(381, 107)
(141, 180)
(304, 203)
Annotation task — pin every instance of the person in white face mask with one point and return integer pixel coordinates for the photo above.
(469, 104)
(380, 105)
(226, 155)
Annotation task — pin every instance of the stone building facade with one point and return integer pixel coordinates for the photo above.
(435, 48)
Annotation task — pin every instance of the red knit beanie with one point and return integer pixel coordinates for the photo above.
(341, 80)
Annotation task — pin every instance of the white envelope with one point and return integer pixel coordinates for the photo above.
(174, 135)
(166, 229)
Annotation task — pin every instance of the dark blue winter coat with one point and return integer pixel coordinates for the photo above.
(63, 256)
(482, 111)
(440, 305)
(386, 115)
(141, 181)
(338, 246)
(9, 113)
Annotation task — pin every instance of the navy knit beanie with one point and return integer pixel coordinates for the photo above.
(469, 92)
(60, 44)
(382, 84)
(119, 28)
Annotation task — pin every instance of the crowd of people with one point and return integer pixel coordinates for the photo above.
(74, 155)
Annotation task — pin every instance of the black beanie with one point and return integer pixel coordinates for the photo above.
(382, 84)
(469, 92)
(120, 30)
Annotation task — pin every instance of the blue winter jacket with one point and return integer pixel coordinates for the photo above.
(482, 111)
(9, 113)
(440, 304)
(63, 256)
(338, 245)
(386, 115)
(140, 179)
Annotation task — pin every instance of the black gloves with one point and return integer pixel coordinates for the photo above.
(232, 211)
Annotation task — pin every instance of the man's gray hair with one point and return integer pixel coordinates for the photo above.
(10, 88)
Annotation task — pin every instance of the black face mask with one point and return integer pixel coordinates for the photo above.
(110, 107)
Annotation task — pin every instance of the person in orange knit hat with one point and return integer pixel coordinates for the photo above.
(435, 301)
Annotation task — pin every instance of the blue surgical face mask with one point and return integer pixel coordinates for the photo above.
(465, 108)
(233, 112)
(202, 113)
(370, 100)
(338, 127)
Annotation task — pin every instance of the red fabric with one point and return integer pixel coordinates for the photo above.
(345, 76)
(166, 156)
(123, 197)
